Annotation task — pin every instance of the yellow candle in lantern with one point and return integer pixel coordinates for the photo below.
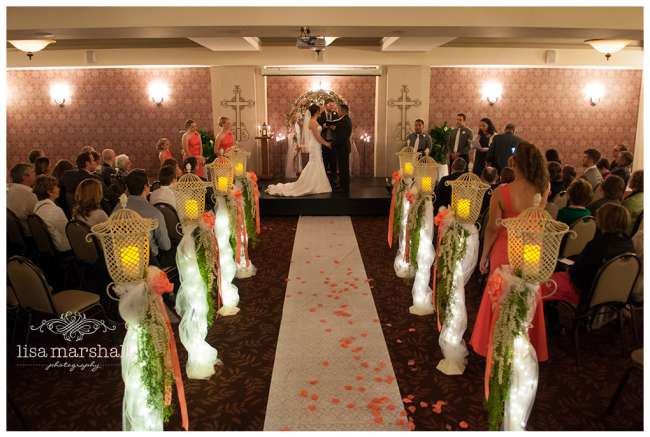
(408, 169)
(222, 184)
(463, 208)
(532, 258)
(130, 258)
(191, 209)
(239, 168)
(426, 184)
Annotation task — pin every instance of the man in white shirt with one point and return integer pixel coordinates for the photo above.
(419, 140)
(460, 140)
(164, 194)
(591, 173)
(20, 198)
(47, 189)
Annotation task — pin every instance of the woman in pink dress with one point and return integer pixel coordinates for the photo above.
(225, 140)
(164, 152)
(192, 146)
(509, 200)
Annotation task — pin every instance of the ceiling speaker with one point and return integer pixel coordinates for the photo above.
(90, 57)
(550, 57)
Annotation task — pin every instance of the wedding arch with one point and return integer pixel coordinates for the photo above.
(318, 97)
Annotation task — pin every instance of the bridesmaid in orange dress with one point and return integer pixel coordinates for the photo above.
(192, 146)
(225, 140)
(164, 152)
(509, 200)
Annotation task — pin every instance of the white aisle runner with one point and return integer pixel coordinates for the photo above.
(332, 370)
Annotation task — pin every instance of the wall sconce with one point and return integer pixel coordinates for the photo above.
(60, 93)
(158, 91)
(492, 92)
(365, 138)
(595, 93)
(324, 85)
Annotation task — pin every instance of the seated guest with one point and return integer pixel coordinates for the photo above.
(568, 175)
(634, 201)
(507, 175)
(47, 191)
(35, 154)
(88, 201)
(86, 166)
(579, 197)
(603, 167)
(555, 173)
(122, 165)
(443, 192)
(552, 155)
(174, 163)
(622, 165)
(489, 176)
(107, 169)
(118, 183)
(637, 241)
(190, 165)
(617, 149)
(164, 194)
(137, 186)
(42, 165)
(574, 286)
(20, 198)
(61, 166)
(164, 153)
(612, 190)
(591, 173)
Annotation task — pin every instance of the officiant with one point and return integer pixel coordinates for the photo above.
(419, 140)
(342, 149)
(328, 120)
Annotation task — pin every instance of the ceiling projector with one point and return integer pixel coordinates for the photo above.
(308, 41)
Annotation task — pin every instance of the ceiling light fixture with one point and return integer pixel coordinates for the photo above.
(31, 46)
(608, 46)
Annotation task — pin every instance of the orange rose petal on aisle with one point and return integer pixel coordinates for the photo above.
(379, 420)
(365, 364)
(389, 379)
(284, 428)
(303, 393)
(314, 397)
(347, 387)
(402, 413)
(401, 422)
(411, 426)
(361, 389)
(463, 424)
(326, 363)
(391, 407)
(407, 401)
(364, 334)
(336, 401)
(328, 330)
(359, 377)
(351, 405)
(313, 381)
(379, 379)
(311, 407)
(356, 357)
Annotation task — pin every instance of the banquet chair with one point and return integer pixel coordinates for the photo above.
(585, 229)
(55, 264)
(552, 209)
(33, 293)
(171, 221)
(636, 358)
(609, 294)
(16, 241)
(88, 255)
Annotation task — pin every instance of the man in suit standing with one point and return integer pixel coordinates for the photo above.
(460, 140)
(327, 120)
(503, 146)
(591, 173)
(443, 192)
(342, 148)
(87, 163)
(419, 140)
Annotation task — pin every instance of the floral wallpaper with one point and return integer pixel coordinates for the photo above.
(357, 91)
(108, 108)
(548, 105)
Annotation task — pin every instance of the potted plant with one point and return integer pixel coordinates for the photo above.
(439, 138)
(207, 138)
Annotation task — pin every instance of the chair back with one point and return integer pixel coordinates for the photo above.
(615, 280)
(29, 285)
(85, 251)
(12, 300)
(40, 234)
(561, 199)
(16, 243)
(585, 229)
(552, 209)
(637, 224)
(171, 221)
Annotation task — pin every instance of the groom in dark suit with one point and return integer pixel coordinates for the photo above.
(342, 148)
(327, 120)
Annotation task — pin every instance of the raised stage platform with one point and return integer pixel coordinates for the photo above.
(367, 196)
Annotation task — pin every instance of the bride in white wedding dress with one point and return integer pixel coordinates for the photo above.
(313, 179)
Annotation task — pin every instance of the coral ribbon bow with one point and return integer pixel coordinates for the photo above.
(438, 219)
(256, 193)
(494, 289)
(391, 212)
(240, 229)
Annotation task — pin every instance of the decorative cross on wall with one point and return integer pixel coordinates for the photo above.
(403, 103)
(236, 103)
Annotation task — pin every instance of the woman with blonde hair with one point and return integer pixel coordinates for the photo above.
(192, 146)
(529, 188)
(225, 139)
(87, 199)
(164, 153)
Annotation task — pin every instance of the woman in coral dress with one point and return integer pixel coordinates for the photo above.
(530, 188)
(225, 140)
(164, 152)
(192, 146)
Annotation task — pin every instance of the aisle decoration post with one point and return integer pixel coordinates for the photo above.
(419, 235)
(246, 182)
(149, 358)
(457, 250)
(227, 228)
(198, 266)
(511, 371)
(399, 209)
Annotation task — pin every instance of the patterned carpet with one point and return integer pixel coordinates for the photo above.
(568, 398)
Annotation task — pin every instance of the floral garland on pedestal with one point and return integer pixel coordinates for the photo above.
(397, 224)
(149, 358)
(228, 229)
(511, 368)
(251, 228)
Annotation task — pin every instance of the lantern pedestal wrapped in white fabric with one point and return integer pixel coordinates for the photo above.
(245, 269)
(222, 229)
(421, 291)
(192, 306)
(239, 158)
(403, 268)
